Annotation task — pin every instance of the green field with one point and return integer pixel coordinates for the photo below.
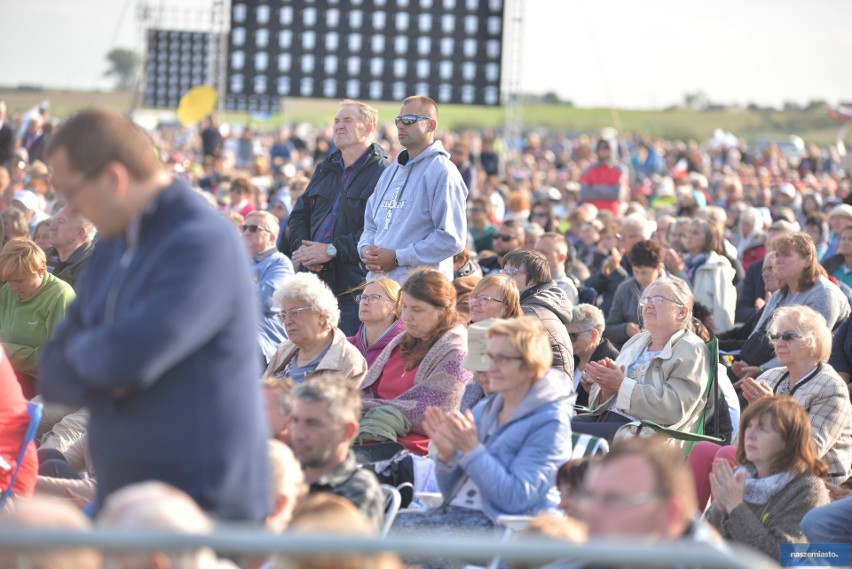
(813, 126)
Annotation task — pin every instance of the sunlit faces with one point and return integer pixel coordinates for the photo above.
(350, 127)
(314, 433)
(375, 305)
(417, 136)
(790, 350)
(485, 304)
(506, 372)
(762, 442)
(646, 275)
(660, 309)
(789, 266)
(25, 285)
(419, 317)
(303, 327)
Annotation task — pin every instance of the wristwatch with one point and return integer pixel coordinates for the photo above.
(331, 250)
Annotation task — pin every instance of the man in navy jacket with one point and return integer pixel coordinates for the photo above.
(161, 342)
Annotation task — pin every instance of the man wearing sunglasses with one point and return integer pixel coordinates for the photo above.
(417, 214)
(328, 218)
(269, 269)
(509, 236)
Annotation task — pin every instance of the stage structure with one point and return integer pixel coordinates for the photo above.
(450, 50)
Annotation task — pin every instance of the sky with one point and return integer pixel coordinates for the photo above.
(596, 53)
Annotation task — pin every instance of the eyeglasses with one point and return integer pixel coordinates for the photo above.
(539, 214)
(369, 298)
(609, 501)
(786, 336)
(480, 300)
(409, 120)
(253, 228)
(499, 359)
(512, 271)
(476, 210)
(575, 335)
(657, 300)
(292, 313)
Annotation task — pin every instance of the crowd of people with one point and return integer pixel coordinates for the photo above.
(224, 328)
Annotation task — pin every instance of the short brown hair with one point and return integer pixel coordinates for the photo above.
(802, 244)
(16, 221)
(94, 137)
(426, 103)
(21, 254)
(532, 262)
(793, 424)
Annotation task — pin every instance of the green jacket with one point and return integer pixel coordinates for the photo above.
(26, 324)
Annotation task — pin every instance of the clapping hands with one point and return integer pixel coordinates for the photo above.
(450, 432)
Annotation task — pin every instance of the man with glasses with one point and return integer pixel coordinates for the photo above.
(509, 236)
(161, 344)
(541, 297)
(270, 268)
(641, 490)
(328, 218)
(417, 214)
(586, 331)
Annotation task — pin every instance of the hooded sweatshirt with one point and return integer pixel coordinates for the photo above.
(514, 466)
(418, 210)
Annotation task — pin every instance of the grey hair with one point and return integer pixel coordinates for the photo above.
(589, 315)
(340, 393)
(681, 293)
(308, 288)
(645, 225)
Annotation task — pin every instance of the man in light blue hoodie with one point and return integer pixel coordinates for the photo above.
(417, 213)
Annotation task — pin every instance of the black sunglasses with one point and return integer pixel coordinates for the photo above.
(409, 120)
(786, 336)
(503, 237)
(252, 228)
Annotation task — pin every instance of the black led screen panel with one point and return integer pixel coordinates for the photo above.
(177, 61)
(386, 50)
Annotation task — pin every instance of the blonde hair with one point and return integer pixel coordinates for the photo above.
(508, 290)
(809, 324)
(21, 255)
(528, 336)
(391, 288)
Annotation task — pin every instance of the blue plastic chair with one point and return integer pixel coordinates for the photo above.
(34, 411)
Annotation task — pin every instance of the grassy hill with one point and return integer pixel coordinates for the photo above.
(813, 126)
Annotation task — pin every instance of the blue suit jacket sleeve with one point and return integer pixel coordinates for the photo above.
(180, 310)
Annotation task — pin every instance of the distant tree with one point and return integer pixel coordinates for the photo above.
(816, 105)
(696, 101)
(123, 65)
(791, 106)
(550, 98)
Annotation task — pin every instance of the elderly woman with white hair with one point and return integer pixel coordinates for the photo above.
(310, 314)
(661, 373)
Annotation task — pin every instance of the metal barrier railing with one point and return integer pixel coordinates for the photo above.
(420, 546)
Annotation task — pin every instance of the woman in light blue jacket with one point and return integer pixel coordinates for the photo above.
(502, 458)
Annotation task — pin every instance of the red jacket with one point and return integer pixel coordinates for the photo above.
(13, 425)
(602, 184)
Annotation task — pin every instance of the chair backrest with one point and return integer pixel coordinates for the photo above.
(34, 412)
(587, 445)
(712, 390)
(393, 500)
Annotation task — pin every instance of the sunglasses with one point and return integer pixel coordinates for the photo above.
(252, 228)
(786, 336)
(499, 237)
(409, 120)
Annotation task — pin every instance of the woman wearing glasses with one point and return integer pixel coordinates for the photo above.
(802, 345)
(378, 311)
(661, 373)
(423, 365)
(502, 457)
(315, 344)
(495, 296)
